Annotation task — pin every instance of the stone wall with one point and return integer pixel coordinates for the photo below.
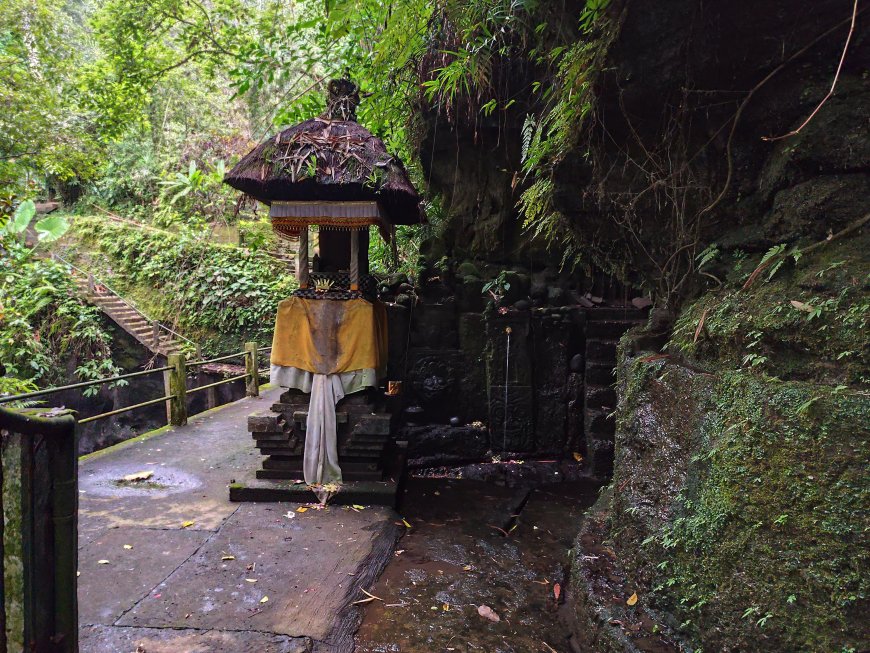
(519, 372)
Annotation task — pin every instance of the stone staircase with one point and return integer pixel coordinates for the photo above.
(604, 328)
(153, 337)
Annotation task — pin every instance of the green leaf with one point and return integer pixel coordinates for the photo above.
(51, 228)
(21, 218)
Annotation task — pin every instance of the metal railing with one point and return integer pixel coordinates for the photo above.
(175, 381)
(93, 280)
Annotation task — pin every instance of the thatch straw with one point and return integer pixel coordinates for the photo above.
(322, 159)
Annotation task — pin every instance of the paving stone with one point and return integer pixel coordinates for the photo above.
(131, 573)
(304, 565)
(176, 591)
(109, 639)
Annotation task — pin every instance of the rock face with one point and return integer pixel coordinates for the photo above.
(734, 513)
(696, 90)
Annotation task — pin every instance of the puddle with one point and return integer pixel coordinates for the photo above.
(109, 482)
(456, 557)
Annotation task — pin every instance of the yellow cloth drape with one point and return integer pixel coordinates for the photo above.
(326, 336)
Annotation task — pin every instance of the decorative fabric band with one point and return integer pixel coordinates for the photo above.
(298, 224)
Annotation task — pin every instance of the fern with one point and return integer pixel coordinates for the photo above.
(527, 133)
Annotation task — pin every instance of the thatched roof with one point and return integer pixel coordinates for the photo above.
(324, 159)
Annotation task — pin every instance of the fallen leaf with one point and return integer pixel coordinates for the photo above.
(358, 507)
(488, 613)
(264, 599)
(700, 326)
(301, 509)
(228, 557)
(467, 568)
(801, 306)
(632, 599)
(578, 456)
(557, 590)
(128, 546)
(250, 580)
(187, 524)
(405, 522)
(139, 476)
(445, 607)
(102, 562)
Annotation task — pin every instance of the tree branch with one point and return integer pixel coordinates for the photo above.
(833, 85)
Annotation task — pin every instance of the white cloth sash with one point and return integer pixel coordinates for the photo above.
(320, 464)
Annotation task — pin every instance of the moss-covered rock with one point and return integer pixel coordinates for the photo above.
(740, 506)
(797, 321)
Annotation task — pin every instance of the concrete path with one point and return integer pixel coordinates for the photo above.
(169, 564)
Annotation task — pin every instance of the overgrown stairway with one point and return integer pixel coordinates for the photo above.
(155, 337)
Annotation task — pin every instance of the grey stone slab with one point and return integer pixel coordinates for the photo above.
(114, 639)
(175, 590)
(305, 565)
(193, 466)
(108, 590)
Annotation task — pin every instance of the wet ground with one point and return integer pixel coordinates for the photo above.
(474, 544)
(167, 564)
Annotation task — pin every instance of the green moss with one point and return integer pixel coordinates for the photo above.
(744, 506)
(218, 295)
(808, 321)
(13, 544)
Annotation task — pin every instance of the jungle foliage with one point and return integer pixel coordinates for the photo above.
(43, 323)
(218, 295)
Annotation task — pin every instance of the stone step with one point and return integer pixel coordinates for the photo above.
(347, 475)
(265, 436)
(294, 465)
(600, 398)
(280, 448)
(615, 313)
(367, 439)
(601, 350)
(365, 493)
(301, 417)
(598, 425)
(272, 422)
(608, 329)
(600, 373)
(378, 424)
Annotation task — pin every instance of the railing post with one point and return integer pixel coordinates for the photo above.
(177, 387)
(92, 286)
(251, 369)
(155, 333)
